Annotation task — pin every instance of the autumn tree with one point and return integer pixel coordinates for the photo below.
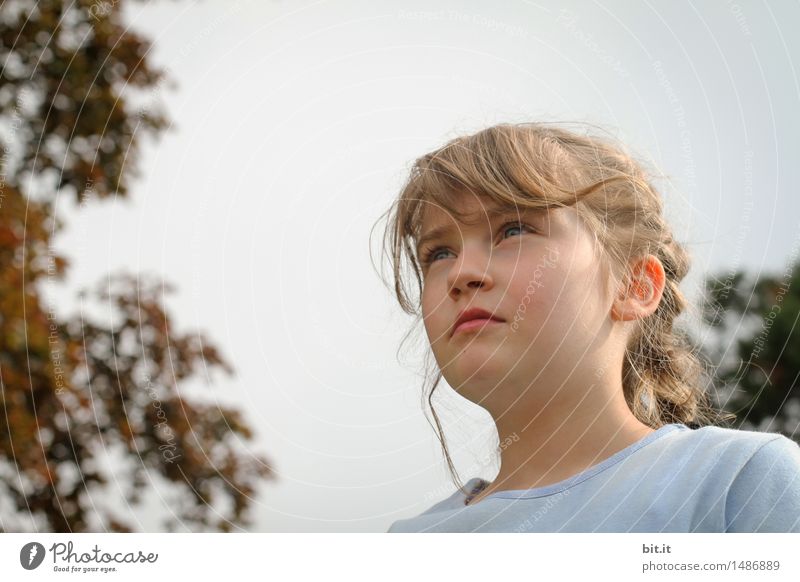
(78, 94)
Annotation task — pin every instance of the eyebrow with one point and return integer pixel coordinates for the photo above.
(493, 212)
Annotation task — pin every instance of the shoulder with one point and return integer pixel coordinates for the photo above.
(755, 476)
(718, 437)
(724, 450)
(764, 493)
(454, 501)
(737, 452)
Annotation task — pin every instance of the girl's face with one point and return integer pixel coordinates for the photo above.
(537, 271)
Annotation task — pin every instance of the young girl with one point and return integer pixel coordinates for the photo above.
(548, 286)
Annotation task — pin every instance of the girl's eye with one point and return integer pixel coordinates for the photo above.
(512, 225)
(430, 256)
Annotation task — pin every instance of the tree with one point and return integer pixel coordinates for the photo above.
(73, 389)
(756, 321)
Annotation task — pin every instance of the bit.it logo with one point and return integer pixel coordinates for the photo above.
(31, 555)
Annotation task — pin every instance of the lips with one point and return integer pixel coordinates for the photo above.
(478, 315)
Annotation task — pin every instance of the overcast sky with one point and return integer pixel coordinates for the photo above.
(294, 126)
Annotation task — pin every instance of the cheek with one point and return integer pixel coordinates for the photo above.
(544, 302)
(536, 292)
(553, 297)
(432, 313)
(427, 303)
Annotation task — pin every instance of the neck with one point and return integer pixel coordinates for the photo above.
(563, 437)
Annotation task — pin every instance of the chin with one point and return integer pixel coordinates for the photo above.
(473, 376)
(486, 395)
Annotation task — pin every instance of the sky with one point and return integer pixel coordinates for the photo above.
(294, 126)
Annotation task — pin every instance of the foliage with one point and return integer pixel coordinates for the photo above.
(759, 356)
(92, 406)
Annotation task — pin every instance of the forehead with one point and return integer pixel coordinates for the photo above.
(470, 210)
(473, 209)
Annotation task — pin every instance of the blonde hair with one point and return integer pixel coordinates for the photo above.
(538, 165)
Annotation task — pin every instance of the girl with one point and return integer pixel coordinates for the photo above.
(548, 286)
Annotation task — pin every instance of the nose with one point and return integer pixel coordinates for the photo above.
(470, 271)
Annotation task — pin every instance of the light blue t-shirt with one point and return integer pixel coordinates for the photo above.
(675, 479)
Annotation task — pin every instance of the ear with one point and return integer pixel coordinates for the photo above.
(641, 294)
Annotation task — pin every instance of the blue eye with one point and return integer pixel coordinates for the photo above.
(515, 225)
(430, 256)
